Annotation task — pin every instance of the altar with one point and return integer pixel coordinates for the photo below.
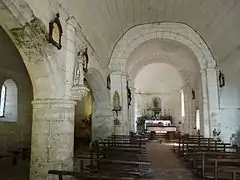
(159, 126)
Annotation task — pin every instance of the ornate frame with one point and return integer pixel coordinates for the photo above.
(51, 27)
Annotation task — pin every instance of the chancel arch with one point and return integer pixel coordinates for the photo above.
(181, 37)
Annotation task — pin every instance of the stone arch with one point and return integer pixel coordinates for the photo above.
(101, 123)
(28, 34)
(183, 34)
(166, 30)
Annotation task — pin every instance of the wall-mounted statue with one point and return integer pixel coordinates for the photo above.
(78, 78)
(109, 82)
(129, 94)
(221, 79)
(55, 32)
(193, 94)
(85, 60)
(116, 101)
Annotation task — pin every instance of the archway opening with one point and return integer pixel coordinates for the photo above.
(158, 88)
(83, 121)
(15, 107)
(180, 46)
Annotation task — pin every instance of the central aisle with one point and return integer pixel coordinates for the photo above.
(165, 164)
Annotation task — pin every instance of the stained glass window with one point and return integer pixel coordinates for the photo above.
(3, 100)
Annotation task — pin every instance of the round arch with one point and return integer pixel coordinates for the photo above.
(25, 32)
(101, 117)
(185, 35)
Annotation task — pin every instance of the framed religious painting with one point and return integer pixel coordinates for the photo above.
(109, 82)
(55, 32)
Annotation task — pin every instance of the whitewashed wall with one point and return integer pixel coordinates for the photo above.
(229, 97)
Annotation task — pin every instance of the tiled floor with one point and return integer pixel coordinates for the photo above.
(164, 163)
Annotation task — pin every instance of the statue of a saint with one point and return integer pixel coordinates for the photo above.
(85, 60)
(116, 101)
(78, 71)
(129, 93)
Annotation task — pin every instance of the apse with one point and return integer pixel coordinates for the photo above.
(158, 80)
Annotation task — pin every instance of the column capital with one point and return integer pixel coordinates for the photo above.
(53, 103)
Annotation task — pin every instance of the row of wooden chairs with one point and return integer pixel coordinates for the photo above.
(209, 158)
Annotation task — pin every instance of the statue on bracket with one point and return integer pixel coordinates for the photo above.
(221, 79)
(129, 94)
(109, 82)
(55, 32)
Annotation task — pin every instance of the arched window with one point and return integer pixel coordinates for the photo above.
(3, 101)
(197, 119)
(9, 101)
(182, 104)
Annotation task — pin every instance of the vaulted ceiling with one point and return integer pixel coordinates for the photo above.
(105, 21)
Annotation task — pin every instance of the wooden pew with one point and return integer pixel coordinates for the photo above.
(121, 156)
(87, 175)
(223, 165)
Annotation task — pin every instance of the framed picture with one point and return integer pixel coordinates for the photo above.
(109, 82)
(55, 32)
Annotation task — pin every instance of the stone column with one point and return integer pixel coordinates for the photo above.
(193, 117)
(213, 99)
(132, 109)
(119, 84)
(125, 112)
(102, 122)
(210, 101)
(204, 122)
(52, 137)
(187, 111)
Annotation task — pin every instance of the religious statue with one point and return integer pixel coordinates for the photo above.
(193, 94)
(129, 93)
(78, 71)
(116, 101)
(109, 82)
(156, 102)
(85, 60)
(221, 79)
